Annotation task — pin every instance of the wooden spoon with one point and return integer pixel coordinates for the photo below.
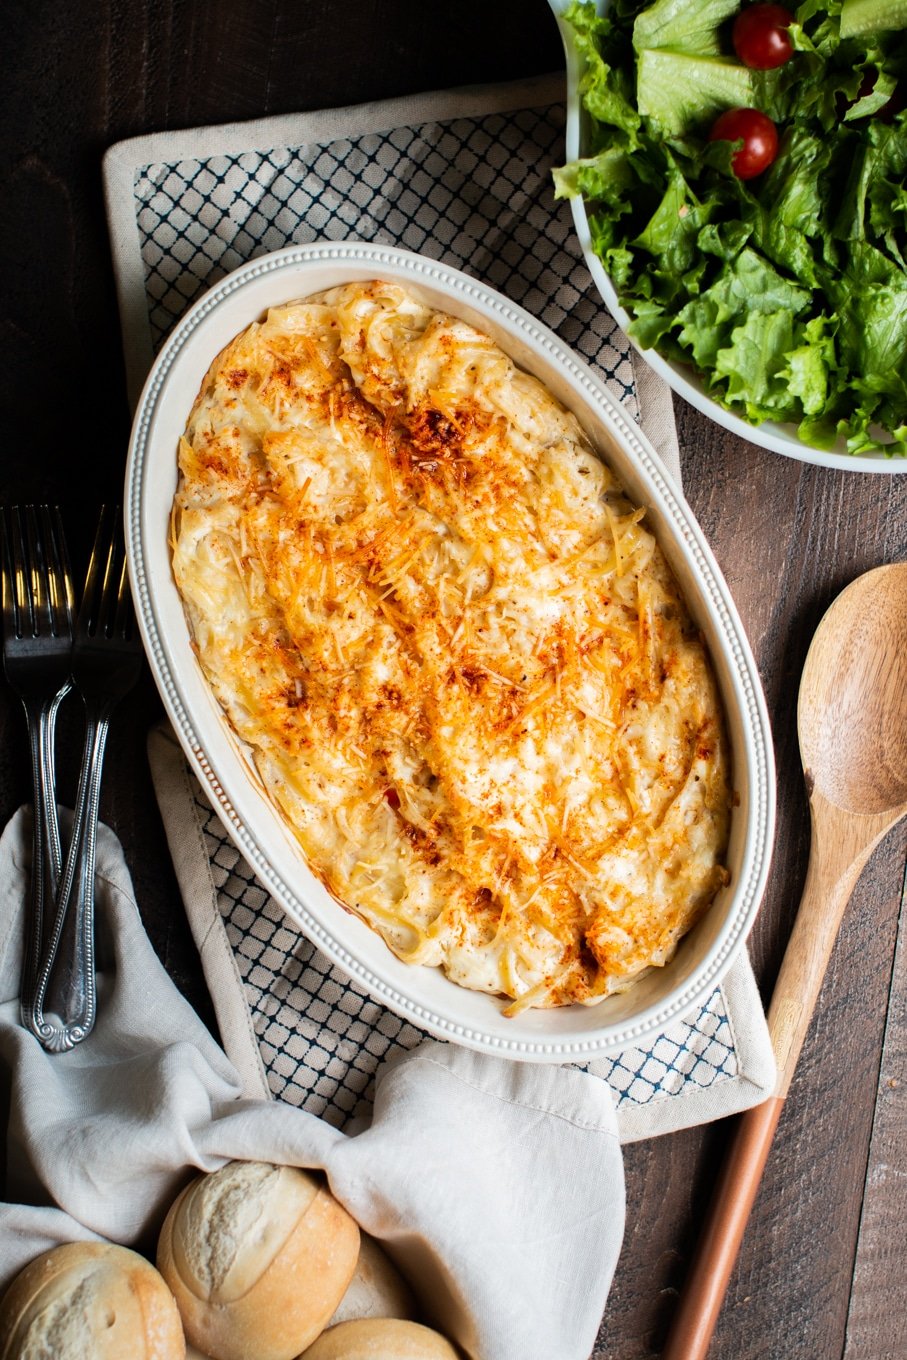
(852, 724)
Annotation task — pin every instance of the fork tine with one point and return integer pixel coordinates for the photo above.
(124, 624)
(112, 596)
(59, 573)
(10, 598)
(113, 585)
(119, 580)
(36, 574)
(21, 582)
(95, 597)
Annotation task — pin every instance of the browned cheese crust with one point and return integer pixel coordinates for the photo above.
(466, 672)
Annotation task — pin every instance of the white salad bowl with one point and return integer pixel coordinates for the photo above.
(780, 438)
(224, 767)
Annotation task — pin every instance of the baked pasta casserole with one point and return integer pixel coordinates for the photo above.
(465, 672)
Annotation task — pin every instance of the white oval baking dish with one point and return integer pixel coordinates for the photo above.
(424, 995)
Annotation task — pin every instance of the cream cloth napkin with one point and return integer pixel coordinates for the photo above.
(497, 1186)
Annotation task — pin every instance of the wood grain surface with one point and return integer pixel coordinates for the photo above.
(822, 1269)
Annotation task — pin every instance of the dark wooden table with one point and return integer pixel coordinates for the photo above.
(823, 1272)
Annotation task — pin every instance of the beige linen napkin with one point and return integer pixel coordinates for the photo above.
(498, 1187)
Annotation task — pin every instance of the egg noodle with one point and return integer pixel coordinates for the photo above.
(466, 673)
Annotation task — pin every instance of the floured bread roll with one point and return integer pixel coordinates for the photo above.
(258, 1257)
(90, 1299)
(376, 1290)
(381, 1339)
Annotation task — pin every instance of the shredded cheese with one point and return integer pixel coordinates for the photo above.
(467, 675)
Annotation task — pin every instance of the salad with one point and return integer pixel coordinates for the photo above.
(746, 189)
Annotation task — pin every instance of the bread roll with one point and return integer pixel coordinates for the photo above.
(90, 1299)
(381, 1339)
(258, 1257)
(376, 1290)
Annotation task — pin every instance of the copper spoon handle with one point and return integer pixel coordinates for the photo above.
(716, 1252)
(837, 856)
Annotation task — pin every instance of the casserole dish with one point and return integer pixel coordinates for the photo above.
(425, 996)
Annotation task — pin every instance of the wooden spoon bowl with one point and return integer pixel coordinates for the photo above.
(852, 712)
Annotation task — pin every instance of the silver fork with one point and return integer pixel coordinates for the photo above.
(106, 663)
(37, 647)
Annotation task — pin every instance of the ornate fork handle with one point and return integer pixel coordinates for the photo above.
(105, 663)
(37, 609)
(66, 978)
(47, 855)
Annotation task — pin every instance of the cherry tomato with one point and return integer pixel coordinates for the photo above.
(758, 134)
(760, 36)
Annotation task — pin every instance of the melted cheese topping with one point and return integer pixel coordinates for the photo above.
(465, 670)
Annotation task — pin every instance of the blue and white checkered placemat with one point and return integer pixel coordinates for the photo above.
(463, 176)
